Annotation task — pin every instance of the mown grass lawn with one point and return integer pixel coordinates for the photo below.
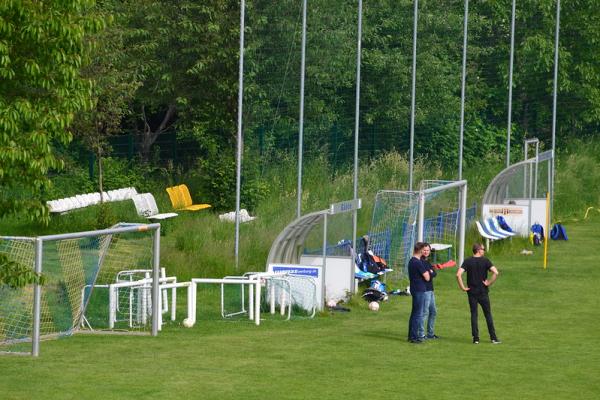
(548, 322)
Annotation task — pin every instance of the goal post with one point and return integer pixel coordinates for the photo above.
(436, 213)
(77, 269)
(436, 187)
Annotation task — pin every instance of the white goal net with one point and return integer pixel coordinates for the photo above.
(79, 271)
(431, 214)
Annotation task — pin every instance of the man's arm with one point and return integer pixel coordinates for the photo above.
(424, 271)
(426, 276)
(459, 279)
(432, 272)
(490, 282)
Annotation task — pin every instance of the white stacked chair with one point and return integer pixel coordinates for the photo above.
(145, 205)
(64, 205)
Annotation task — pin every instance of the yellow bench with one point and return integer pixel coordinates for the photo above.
(182, 200)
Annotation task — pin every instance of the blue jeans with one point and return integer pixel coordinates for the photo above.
(429, 314)
(416, 315)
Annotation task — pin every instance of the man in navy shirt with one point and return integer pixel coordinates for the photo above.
(429, 308)
(477, 268)
(418, 274)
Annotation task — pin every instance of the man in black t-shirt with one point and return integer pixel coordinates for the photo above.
(477, 268)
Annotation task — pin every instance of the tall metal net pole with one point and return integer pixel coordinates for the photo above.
(462, 225)
(37, 300)
(239, 134)
(462, 91)
(301, 121)
(510, 81)
(412, 96)
(357, 122)
(421, 217)
(554, 95)
(155, 281)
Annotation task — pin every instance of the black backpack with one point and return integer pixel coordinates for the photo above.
(370, 262)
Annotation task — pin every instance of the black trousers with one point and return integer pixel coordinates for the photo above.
(484, 300)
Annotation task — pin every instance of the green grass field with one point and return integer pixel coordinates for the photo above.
(547, 320)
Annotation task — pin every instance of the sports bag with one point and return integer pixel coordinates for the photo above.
(558, 232)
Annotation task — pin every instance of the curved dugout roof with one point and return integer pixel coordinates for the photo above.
(288, 245)
(498, 187)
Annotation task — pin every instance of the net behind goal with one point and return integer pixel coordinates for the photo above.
(394, 227)
(79, 270)
(431, 214)
(284, 296)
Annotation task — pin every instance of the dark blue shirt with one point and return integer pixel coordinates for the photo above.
(416, 268)
(432, 274)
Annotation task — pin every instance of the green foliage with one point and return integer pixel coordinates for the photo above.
(17, 275)
(217, 178)
(161, 65)
(184, 59)
(74, 180)
(105, 216)
(118, 173)
(42, 49)
(271, 97)
(221, 182)
(114, 84)
(577, 179)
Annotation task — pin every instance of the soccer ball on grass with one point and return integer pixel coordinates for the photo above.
(331, 303)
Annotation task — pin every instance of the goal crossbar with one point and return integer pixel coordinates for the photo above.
(462, 188)
(37, 251)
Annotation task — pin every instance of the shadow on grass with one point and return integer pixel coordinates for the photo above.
(400, 337)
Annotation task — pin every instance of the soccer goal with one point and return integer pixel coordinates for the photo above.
(83, 289)
(286, 295)
(437, 213)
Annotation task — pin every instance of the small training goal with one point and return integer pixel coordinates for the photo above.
(284, 295)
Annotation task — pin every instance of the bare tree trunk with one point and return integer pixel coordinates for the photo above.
(149, 136)
(100, 175)
(525, 118)
(99, 155)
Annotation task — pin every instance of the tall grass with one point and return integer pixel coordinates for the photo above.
(198, 244)
(577, 179)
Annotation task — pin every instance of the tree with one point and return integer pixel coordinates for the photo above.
(42, 49)
(112, 73)
(185, 59)
(17, 275)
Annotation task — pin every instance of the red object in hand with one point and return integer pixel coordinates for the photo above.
(447, 264)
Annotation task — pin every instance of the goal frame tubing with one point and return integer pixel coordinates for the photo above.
(123, 228)
(462, 190)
